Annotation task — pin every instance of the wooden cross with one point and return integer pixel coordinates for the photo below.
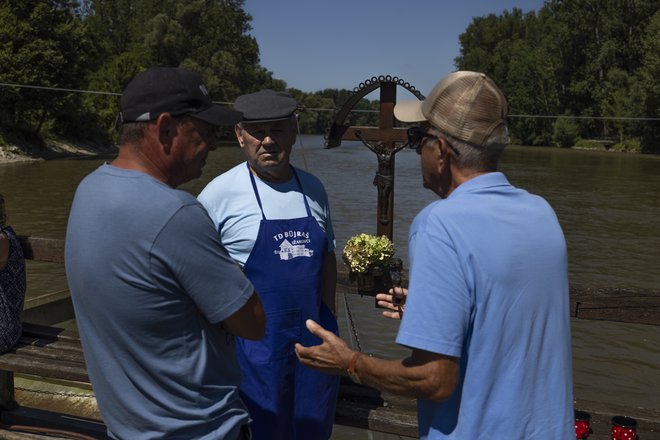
(382, 140)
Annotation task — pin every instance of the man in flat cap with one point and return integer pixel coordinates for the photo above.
(157, 299)
(274, 220)
(487, 311)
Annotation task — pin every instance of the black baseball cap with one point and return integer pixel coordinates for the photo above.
(177, 91)
(266, 106)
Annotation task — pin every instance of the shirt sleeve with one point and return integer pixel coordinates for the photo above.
(188, 253)
(439, 304)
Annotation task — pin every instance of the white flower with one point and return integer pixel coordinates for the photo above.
(365, 251)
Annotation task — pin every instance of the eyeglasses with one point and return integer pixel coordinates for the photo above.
(417, 137)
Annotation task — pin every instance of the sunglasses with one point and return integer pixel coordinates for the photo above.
(417, 136)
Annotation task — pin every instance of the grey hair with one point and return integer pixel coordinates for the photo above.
(476, 158)
(132, 132)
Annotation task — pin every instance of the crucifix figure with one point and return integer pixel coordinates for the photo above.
(382, 140)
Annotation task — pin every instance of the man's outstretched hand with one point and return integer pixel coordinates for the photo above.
(332, 356)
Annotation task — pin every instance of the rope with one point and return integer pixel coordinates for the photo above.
(302, 148)
(608, 118)
(318, 109)
(62, 89)
(58, 89)
(352, 326)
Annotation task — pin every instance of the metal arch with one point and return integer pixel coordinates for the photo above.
(338, 127)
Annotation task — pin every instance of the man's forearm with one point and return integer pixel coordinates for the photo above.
(417, 378)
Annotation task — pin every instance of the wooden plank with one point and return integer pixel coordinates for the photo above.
(28, 364)
(42, 249)
(48, 419)
(367, 408)
(47, 298)
(376, 134)
(51, 333)
(616, 304)
(51, 354)
(604, 303)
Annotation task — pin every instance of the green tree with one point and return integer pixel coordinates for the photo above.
(648, 78)
(565, 132)
(581, 57)
(207, 36)
(42, 43)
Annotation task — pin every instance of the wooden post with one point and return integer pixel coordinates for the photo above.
(7, 397)
(382, 140)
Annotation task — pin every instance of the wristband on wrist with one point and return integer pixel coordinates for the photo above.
(352, 373)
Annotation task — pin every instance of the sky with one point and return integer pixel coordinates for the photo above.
(319, 44)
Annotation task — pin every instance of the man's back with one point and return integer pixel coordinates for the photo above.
(149, 281)
(489, 285)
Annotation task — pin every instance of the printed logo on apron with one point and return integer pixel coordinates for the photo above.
(293, 244)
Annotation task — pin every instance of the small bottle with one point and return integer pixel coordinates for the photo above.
(396, 266)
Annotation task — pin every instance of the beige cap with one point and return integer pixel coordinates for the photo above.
(466, 105)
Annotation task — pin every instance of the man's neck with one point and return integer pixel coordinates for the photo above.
(277, 176)
(131, 157)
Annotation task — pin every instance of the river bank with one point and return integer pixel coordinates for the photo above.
(52, 149)
(45, 149)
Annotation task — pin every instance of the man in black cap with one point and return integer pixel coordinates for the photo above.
(157, 299)
(274, 220)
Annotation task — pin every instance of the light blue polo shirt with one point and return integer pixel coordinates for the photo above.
(489, 284)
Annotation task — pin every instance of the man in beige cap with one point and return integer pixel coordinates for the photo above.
(487, 315)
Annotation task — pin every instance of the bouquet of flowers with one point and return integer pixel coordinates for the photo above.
(363, 252)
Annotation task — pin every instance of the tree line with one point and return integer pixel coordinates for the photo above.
(592, 59)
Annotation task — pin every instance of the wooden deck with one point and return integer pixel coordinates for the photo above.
(358, 406)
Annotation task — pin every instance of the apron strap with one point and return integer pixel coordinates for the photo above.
(256, 191)
(309, 211)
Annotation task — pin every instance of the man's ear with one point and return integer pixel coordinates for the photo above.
(167, 129)
(239, 135)
(444, 149)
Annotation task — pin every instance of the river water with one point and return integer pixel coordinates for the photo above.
(608, 205)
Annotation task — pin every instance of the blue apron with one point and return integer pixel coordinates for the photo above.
(286, 399)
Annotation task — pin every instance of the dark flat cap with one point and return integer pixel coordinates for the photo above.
(266, 106)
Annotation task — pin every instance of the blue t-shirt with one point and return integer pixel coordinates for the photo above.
(231, 203)
(489, 284)
(149, 282)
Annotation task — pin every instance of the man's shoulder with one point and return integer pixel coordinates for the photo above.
(309, 180)
(304, 174)
(226, 181)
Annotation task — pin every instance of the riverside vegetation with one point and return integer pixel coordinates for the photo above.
(576, 73)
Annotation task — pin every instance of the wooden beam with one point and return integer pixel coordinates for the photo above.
(616, 304)
(42, 249)
(376, 134)
(604, 304)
